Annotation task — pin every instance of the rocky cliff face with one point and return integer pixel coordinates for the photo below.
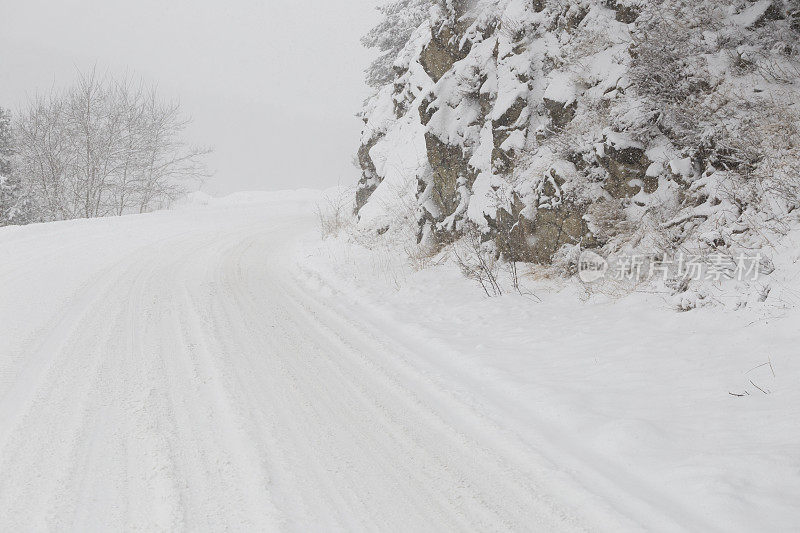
(589, 123)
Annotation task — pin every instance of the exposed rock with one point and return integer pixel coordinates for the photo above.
(441, 53)
(535, 241)
(426, 111)
(501, 129)
(369, 176)
(512, 233)
(573, 17)
(627, 169)
(759, 14)
(448, 164)
(502, 161)
(625, 12)
(512, 114)
(560, 113)
(773, 12)
(559, 220)
(553, 228)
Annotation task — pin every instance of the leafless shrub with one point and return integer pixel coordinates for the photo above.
(478, 261)
(512, 29)
(509, 237)
(335, 212)
(778, 174)
(668, 68)
(607, 220)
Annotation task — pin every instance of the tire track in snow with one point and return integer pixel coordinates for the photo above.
(195, 386)
(376, 426)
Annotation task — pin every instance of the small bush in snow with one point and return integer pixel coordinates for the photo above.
(478, 260)
(335, 213)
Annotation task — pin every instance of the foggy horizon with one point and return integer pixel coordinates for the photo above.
(249, 74)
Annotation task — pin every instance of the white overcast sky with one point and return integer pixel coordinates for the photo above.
(272, 85)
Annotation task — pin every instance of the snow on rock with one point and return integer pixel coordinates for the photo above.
(561, 88)
(622, 141)
(397, 159)
(524, 90)
(682, 167)
(752, 14)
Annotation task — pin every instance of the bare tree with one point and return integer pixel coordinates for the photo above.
(104, 146)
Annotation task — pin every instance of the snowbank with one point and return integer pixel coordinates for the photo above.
(689, 419)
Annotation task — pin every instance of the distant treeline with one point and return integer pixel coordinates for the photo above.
(104, 146)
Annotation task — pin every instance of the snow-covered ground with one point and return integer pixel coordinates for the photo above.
(218, 366)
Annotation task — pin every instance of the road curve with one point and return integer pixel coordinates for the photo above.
(194, 384)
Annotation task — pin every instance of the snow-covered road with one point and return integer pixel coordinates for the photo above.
(175, 371)
(169, 373)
